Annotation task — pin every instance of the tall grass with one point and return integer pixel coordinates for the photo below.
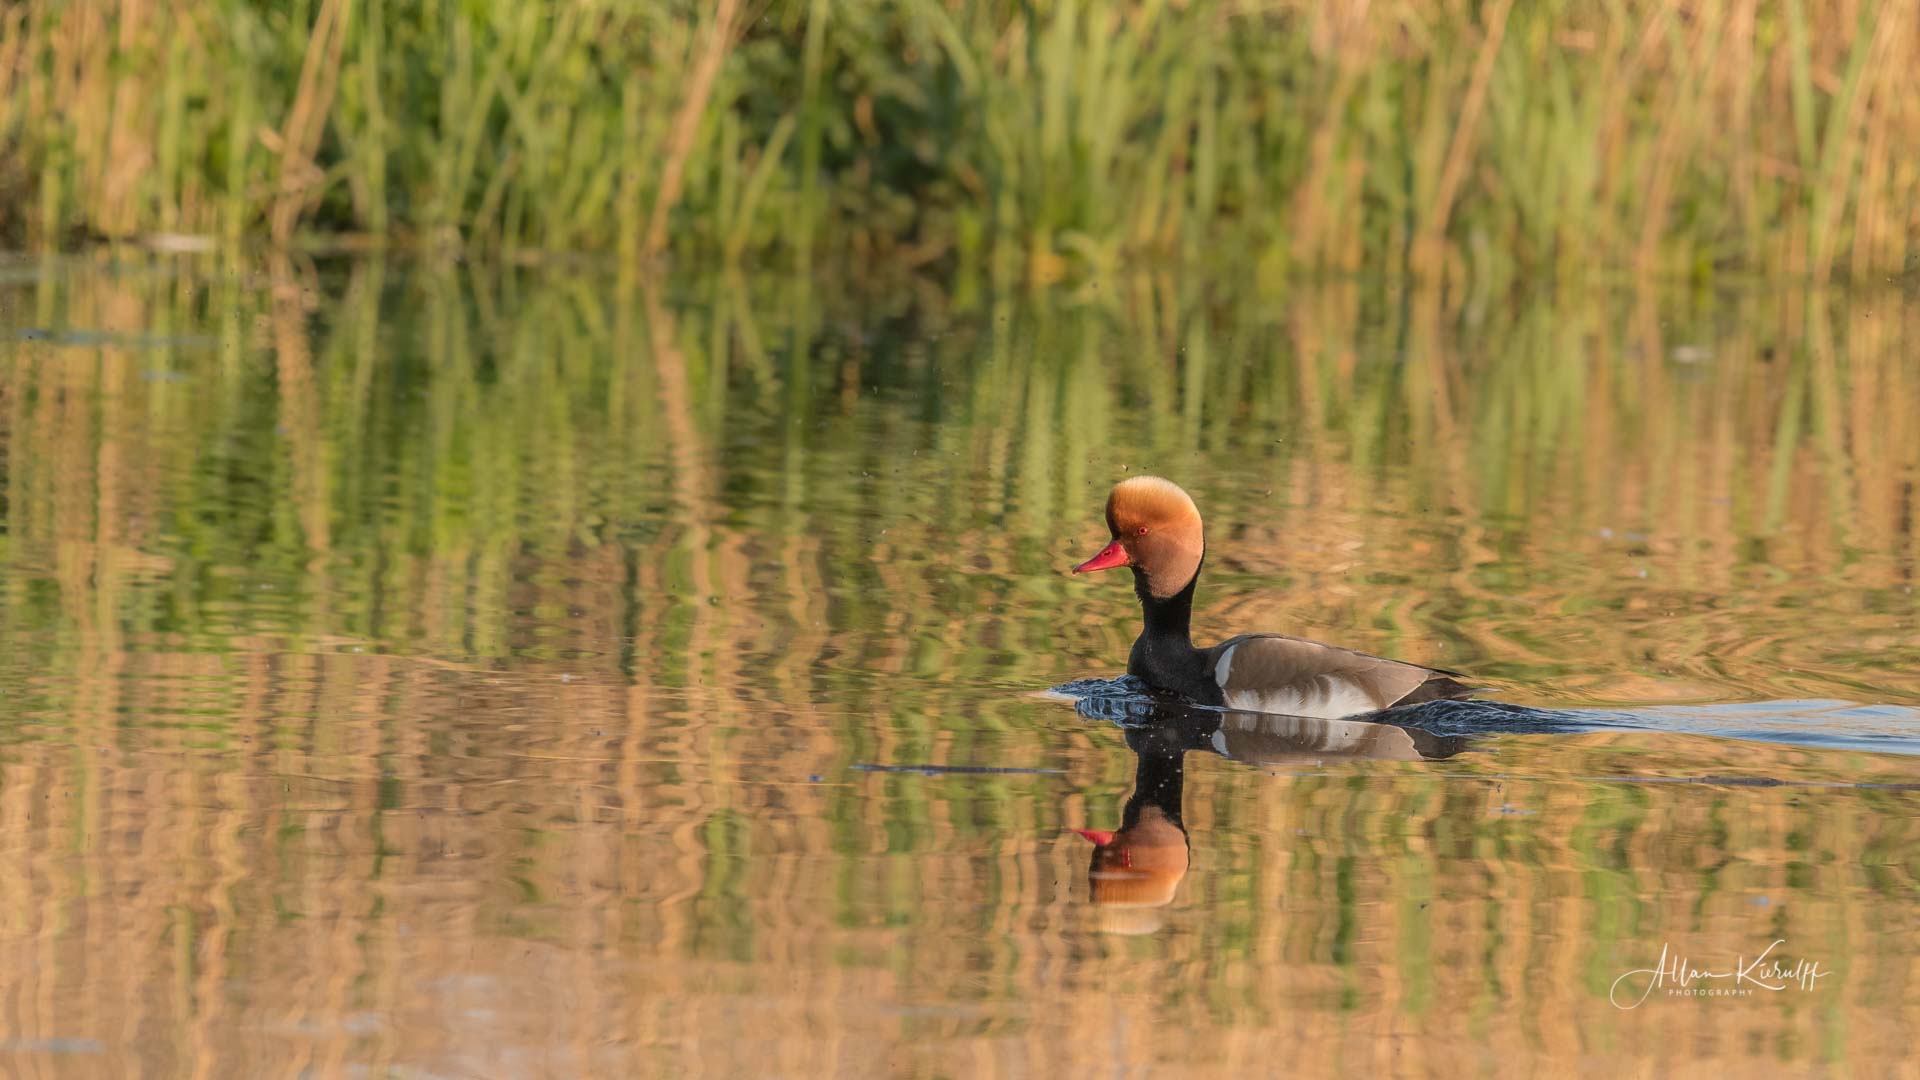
(1438, 138)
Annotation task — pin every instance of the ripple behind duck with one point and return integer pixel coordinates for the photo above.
(1893, 729)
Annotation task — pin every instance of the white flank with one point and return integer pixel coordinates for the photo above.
(1325, 698)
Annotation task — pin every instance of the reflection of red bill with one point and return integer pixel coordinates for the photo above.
(1102, 839)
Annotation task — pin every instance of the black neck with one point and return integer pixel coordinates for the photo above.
(1168, 618)
(1163, 654)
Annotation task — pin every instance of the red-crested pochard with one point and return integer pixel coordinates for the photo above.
(1156, 532)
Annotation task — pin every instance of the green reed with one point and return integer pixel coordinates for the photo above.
(1408, 135)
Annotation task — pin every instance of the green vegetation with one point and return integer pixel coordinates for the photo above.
(1036, 139)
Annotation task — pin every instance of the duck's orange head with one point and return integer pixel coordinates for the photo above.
(1156, 531)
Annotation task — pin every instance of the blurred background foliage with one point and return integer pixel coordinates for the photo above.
(1432, 137)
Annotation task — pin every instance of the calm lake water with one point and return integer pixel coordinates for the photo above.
(447, 671)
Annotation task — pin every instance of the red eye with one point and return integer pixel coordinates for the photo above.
(1143, 530)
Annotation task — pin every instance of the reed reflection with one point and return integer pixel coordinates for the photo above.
(1136, 869)
(446, 637)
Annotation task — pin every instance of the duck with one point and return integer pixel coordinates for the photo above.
(1157, 533)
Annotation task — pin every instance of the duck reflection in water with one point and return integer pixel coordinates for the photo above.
(1136, 869)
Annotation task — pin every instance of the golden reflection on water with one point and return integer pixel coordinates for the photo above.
(436, 672)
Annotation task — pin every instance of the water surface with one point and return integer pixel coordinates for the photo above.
(431, 670)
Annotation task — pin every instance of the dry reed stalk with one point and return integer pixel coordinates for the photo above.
(686, 124)
(129, 138)
(1702, 42)
(1836, 171)
(1427, 253)
(13, 75)
(299, 138)
(1309, 225)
